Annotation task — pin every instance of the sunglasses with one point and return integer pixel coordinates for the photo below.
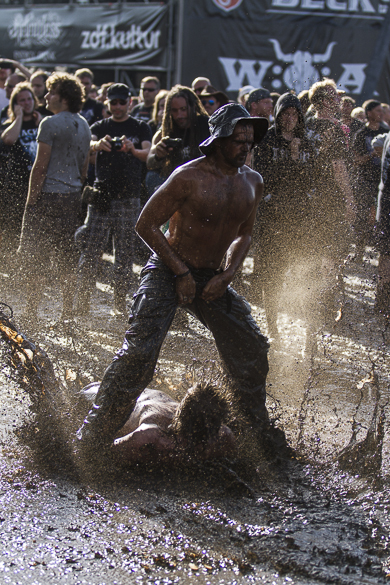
(148, 89)
(209, 102)
(116, 102)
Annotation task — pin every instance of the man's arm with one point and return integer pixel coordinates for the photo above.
(21, 68)
(141, 154)
(163, 204)
(132, 447)
(38, 173)
(235, 255)
(158, 152)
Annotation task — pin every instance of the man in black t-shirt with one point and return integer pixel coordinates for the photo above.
(150, 86)
(122, 144)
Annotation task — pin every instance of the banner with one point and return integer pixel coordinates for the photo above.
(282, 44)
(105, 35)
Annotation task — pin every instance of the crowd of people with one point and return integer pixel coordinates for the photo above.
(320, 161)
(79, 163)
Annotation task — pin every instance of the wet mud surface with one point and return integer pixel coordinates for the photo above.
(322, 518)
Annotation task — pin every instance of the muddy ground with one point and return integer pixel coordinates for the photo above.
(322, 518)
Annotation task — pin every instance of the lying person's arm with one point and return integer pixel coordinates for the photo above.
(134, 447)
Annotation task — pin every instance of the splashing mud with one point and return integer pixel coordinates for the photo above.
(320, 518)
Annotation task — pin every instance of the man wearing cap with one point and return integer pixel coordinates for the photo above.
(212, 99)
(122, 145)
(211, 205)
(199, 84)
(259, 103)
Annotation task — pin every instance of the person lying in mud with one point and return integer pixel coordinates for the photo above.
(160, 428)
(211, 206)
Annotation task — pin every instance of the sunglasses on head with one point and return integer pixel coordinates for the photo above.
(209, 102)
(120, 102)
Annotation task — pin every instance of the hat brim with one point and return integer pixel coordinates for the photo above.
(221, 97)
(260, 127)
(117, 97)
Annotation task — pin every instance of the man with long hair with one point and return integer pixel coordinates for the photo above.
(184, 121)
(53, 202)
(211, 206)
(161, 428)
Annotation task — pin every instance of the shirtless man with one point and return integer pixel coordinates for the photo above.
(211, 205)
(161, 428)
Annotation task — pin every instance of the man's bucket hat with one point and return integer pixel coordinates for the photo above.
(224, 120)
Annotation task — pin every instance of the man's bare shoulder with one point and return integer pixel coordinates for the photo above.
(252, 174)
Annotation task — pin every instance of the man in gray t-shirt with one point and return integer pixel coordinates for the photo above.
(51, 216)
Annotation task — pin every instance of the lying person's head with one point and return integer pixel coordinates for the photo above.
(199, 416)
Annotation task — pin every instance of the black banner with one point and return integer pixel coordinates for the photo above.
(282, 44)
(105, 35)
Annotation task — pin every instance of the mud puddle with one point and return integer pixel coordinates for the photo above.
(314, 520)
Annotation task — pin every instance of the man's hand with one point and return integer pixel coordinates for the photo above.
(185, 289)
(127, 145)
(215, 288)
(162, 150)
(102, 144)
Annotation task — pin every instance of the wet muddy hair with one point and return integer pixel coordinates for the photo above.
(200, 414)
(68, 88)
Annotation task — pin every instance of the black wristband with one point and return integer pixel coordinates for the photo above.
(184, 274)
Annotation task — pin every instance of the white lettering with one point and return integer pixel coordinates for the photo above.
(28, 29)
(313, 4)
(85, 43)
(246, 69)
(364, 6)
(353, 77)
(353, 5)
(336, 5)
(107, 37)
(285, 3)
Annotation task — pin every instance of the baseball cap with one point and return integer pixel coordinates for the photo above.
(256, 95)
(244, 90)
(118, 91)
(224, 120)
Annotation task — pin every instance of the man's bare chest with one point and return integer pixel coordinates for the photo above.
(222, 203)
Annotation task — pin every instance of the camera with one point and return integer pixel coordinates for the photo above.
(116, 143)
(174, 143)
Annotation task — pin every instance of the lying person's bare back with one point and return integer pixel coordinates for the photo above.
(154, 430)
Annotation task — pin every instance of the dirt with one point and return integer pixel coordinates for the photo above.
(321, 518)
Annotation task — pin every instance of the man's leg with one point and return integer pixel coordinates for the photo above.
(242, 348)
(133, 366)
(125, 216)
(97, 225)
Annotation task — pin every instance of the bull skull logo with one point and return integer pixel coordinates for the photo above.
(301, 74)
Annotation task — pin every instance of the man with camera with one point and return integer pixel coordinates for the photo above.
(121, 144)
(184, 127)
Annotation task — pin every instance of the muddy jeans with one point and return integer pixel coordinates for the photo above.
(241, 346)
(120, 221)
